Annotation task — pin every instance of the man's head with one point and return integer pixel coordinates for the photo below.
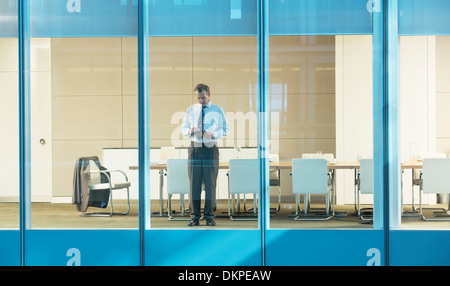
(202, 93)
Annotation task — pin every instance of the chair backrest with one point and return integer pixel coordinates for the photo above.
(244, 176)
(273, 174)
(95, 176)
(432, 155)
(274, 158)
(309, 176)
(366, 176)
(312, 156)
(167, 153)
(436, 172)
(329, 157)
(177, 176)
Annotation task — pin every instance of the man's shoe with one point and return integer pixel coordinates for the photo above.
(193, 222)
(210, 222)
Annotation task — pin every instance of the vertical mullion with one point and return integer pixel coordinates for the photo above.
(393, 204)
(263, 131)
(143, 117)
(24, 117)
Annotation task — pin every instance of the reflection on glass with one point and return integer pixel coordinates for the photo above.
(321, 91)
(424, 90)
(9, 116)
(83, 106)
(228, 65)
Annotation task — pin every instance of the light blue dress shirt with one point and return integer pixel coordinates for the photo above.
(214, 121)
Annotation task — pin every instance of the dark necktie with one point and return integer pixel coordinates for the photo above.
(201, 121)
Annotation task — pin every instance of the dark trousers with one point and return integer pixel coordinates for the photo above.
(203, 166)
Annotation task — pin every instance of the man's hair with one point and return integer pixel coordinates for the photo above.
(201, 87)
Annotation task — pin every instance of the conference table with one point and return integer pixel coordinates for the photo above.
(281, 165)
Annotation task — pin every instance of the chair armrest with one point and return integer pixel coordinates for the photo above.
(111, 171)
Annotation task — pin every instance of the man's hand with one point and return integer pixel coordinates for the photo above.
(208, 135)
(196, 132)
(193, 130)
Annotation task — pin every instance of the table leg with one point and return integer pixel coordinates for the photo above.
(161, 185)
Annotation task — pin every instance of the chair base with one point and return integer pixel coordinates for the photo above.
(444, 216)
(313, 214)
(413, 213)
(241, 215)
(172, 213)
(243, 218)
(179, 216)
(102, 214)
(313, 217)
(98, 214)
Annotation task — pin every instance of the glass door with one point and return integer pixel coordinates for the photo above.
(203, 64)
(82, 201)
(326, 196)
(9, 126)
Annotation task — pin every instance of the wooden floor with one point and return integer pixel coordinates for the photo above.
(48, 215)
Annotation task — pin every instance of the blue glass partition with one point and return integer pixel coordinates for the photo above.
(10, 168)
(420, 226)
(325, 17)
(423, 17)
(320, 39)
(9, 13)
(98, 18)
(81, 53)
(233, 17)
(214, 43)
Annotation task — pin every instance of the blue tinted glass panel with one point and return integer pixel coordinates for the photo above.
(417, 17)
(319, 17)
(8, 18)
(202, 18)
(74, 18)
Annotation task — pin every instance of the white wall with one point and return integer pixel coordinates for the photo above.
(41, 120)
(354, 115)
(40, 66)
(417, 104)
(9, 120)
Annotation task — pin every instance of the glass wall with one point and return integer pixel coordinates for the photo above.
(228, 65)
(9, 121)
(223, 57)
(320, 85)
(204, 165)
(83, 115)
(322, 93)
(424, 97)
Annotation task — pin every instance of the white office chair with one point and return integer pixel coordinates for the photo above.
(310, 176)
(431, 155)
(101, 184)
(167, 153)
(434, 180)
(243, 178)
(275, 180)
(417, 180)
(364, 183)
(312, 156)
(177, 183)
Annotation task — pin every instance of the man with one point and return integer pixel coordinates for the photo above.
(204, 123)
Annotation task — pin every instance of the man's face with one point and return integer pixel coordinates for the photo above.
(202, 97)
